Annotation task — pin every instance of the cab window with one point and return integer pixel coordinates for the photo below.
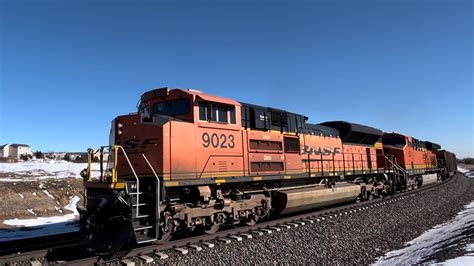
(219, 113)
(172, 108)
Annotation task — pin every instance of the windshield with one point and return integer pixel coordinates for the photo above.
(172, 108)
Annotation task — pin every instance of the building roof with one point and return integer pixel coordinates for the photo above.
(15, 145)
(20, 145)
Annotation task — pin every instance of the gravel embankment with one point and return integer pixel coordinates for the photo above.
(357, 238)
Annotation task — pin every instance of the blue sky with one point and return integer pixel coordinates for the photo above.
(67, 68)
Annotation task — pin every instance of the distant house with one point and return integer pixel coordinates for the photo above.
(12, 152)
(75, 155)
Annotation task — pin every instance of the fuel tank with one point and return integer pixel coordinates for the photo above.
(430, 179)
(301, 199)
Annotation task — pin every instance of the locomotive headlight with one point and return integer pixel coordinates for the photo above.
(119, 132)
(119, 125)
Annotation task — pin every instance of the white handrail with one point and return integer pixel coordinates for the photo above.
(159, 185)
(135, 174)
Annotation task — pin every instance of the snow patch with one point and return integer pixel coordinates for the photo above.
(462, 170)
(40, 169)
(47, 193)
(72, 206)
(31, 211)
(467, 260)
(433, 240)
(58, 209)
(470, 248)
(48, 220)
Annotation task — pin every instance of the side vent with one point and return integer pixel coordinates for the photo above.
(266, 166)
(222, 166)
(266, 145)
(292, 145)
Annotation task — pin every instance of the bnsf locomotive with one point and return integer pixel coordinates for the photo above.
(189, 161)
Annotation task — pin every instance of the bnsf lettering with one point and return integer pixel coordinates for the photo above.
(320, 151)
(218, 141)
(135, 143)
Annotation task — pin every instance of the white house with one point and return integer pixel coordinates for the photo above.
(14, 150)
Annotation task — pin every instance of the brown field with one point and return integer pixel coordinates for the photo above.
(30, 199)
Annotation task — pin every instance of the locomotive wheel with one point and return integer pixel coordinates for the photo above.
(212, 229)
(164, 238)
(371, 196)
(252, 221)
(165, 234)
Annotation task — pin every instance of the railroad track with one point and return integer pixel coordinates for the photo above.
(76, 254)
(38, 248)
(41, 242)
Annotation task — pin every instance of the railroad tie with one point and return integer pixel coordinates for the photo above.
(35, 263)
(182, 250)
(146, 259)
(161, 255)
(238, 238)
(248, 236)
(127, 262)
(195, 247)
(225, 240)
(208, 244)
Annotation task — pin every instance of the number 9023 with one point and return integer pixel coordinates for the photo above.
(218, 141)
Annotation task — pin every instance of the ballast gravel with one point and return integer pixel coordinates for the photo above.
(356, 238)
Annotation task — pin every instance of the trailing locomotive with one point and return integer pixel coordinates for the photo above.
(190, 161)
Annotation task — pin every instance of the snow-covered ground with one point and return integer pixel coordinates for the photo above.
(448, 235)
(48, 220)
(435, 240)
(42, 226)
(462, 170)
(40, 169)
(467, 259)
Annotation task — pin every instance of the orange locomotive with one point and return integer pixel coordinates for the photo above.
(190, 161)
(413, 157)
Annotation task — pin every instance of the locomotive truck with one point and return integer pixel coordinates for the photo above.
(189, 161)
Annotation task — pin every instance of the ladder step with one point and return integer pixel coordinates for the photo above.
(147, 241)
(136, 193)
(142, 216)
(143, 228)
(139, 204)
